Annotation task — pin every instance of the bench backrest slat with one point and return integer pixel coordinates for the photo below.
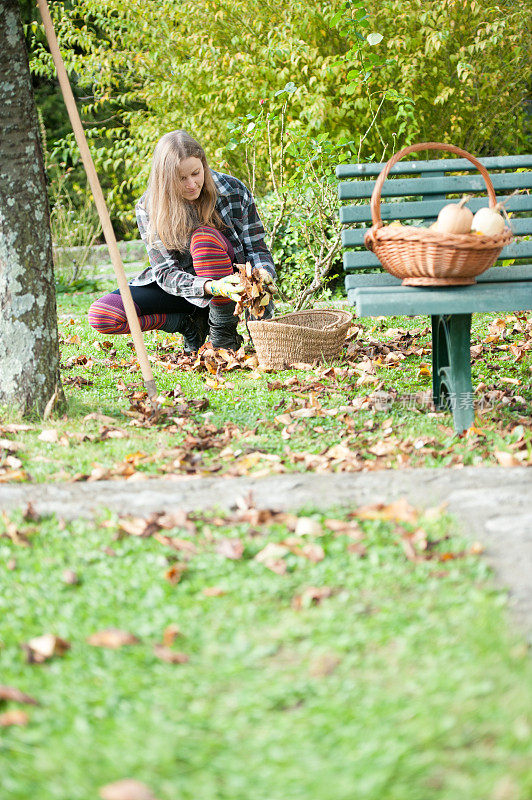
(432, 187)
(425, 209)
(456, 184)
(436, 165)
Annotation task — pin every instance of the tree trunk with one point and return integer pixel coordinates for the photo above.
(29, 347)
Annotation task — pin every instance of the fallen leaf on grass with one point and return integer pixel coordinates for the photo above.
(399, 511)
(12, 474)
(76, 381)
(30, 513)
(13, 717)
(15, 428)
(138, 526)
(11, 693)
(174, 573)
(358, 549)
(506, 459)
(170, 634)
(11, 531)
(42, 648)
(313, 552)
(214, 591)
(70, 577)
(126, 789)
(112, 638)
(341, 527)
(306, 526)
(74, 339)
(10, 446)
(187, 548)
(230, 548)
(169, 655)
(49, 435)
(100, 418)
(272, 557)
(312, 595)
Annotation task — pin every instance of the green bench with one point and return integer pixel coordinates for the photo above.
(427, 185)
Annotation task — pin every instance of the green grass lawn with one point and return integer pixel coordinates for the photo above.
(404, 683)
(359, 669)
(382, 418)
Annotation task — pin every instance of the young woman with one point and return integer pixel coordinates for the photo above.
(196, 224)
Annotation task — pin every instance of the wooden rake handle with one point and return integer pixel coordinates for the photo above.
(99, 200)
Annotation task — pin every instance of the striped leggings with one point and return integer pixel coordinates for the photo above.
(212, 257)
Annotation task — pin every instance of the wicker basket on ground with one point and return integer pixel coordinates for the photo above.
(301, 336)
(424, 257)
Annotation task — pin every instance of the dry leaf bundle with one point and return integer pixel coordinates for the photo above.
(256, 295)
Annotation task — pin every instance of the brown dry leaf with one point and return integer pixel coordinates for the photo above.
(169, 655)
(12, 532)
(255, 296)
(349, 528)
(170, 634)
(506, 459)
(112, 638)
(42, 648)
(139, 526)
(15, 428)
(100, 418)
(76, 381)
(271, 551)
(73, 339)
(358, 549)
(13, 717)
(306, 526)
(126, 789)
(399, 511)
(312, 595)
(49, 435)
(11, 693)
(184, 546)
(10, 446)
(230, 548)
(70, 577)
(30, 514)
(174, 573)
(214, 591)
(314, 552)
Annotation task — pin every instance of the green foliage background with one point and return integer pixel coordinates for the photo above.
(454, 71)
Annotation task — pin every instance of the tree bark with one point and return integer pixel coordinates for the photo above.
(29, 346)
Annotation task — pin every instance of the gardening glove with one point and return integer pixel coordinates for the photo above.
(230, 287)
(267, 280)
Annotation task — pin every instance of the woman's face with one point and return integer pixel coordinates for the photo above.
(191, 177)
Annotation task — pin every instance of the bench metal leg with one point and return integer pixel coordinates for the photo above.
(451, 367)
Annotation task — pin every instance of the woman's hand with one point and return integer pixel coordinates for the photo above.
(230, 287)
(268, 281)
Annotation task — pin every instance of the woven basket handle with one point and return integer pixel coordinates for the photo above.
(375, 203)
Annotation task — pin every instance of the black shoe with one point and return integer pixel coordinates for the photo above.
(187, 325)
(200, 320)
(223, 327)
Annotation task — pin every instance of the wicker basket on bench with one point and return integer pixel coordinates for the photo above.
(425, 257)
(302, 336)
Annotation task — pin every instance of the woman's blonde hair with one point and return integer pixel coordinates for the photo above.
(173, 218)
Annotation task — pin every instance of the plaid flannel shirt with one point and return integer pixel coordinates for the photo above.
(173, 270)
